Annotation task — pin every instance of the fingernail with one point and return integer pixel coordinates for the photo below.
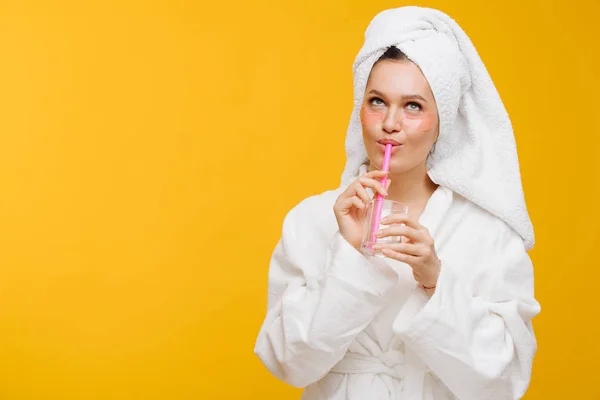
(377, 247)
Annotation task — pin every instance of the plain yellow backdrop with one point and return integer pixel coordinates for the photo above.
(149, 151)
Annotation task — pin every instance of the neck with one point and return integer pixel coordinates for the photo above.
(413, 187)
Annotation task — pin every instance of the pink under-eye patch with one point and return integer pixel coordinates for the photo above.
(370, 117)
(421, 123)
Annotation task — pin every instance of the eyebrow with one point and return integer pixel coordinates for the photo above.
(405, 97)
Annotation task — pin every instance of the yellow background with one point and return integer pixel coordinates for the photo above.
(149, 151)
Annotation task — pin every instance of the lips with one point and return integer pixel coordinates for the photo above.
(389, 141)
(395, 147)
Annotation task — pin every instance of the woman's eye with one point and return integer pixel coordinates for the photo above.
(414, 106)
(376, 101)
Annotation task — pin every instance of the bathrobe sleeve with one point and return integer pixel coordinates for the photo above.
(322, 293)
(475, 332)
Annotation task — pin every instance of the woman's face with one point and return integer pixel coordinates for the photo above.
(398, 108)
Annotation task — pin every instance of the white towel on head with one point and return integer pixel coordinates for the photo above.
(476, 154)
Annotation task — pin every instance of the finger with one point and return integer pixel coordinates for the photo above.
(424, 236)
(373, 184)
(405, 258)
(401, 218)
(410, 249)
(377, 174)
(399, 230)
(358, 203)
(344, 206)
(355, 189)
(361, 192)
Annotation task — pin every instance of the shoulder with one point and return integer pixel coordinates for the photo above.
(486, 252)
(482, 231)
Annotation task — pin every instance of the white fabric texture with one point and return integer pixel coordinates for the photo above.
(348, 327)
(476, 154)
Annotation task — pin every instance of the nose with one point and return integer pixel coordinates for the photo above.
(391, 122)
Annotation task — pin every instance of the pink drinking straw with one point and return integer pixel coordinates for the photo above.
(379, 199)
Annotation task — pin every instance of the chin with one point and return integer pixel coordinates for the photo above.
(398, 168)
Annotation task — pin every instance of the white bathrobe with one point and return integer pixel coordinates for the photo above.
(350, 327)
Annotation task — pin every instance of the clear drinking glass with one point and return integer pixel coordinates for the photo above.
(388, 207)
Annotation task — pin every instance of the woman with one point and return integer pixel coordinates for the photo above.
(447, 313)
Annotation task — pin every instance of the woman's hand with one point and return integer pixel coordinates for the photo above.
(416, 249)
(350, 206)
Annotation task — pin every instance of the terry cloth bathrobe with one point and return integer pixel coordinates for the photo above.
(348, 326)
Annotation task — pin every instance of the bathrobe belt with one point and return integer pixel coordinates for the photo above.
(392, 363)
